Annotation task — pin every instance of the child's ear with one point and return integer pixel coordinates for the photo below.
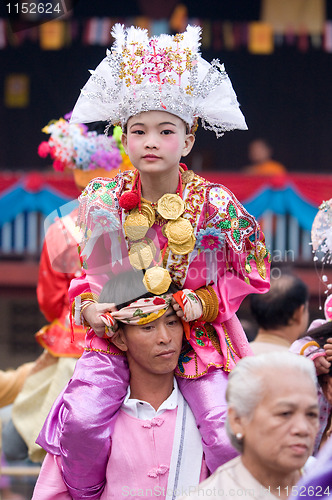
(124, 142)
(188, 144)
(119, 340)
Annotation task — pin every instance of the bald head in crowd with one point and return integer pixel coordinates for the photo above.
(281, 314)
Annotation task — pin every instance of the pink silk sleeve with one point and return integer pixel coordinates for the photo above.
(236, 284)
(305, 346)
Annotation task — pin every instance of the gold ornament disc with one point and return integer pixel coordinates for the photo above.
(142, 253)
(179, 231)
(136, 226)
(184, 248)
(170, 206)
(157, 280)
(187, 176)
(147, 211)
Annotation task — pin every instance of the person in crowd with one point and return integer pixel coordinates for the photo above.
(83, 153)
(316, 344)
(273, 424)
(155, 446)
(317, 483)
(261, 162)
(11, 382)
(170, 223)
(282, 314)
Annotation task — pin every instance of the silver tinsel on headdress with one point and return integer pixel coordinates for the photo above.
(162, 73)
(321, 233)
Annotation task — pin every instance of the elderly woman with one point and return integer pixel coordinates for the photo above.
(272, 420)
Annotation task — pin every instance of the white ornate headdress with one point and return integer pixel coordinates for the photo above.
(321, 239)
(162, 73)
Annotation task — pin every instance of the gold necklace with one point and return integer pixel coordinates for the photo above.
(178, 231)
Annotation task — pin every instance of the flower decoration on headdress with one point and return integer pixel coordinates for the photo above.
(160, 73)
(72, 146)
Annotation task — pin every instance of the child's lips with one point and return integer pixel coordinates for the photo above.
(151, 157)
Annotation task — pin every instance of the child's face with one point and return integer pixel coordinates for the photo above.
(153, 348)
(155, 141)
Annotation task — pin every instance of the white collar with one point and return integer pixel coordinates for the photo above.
(141, 409)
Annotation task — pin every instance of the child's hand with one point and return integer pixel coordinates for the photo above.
(92, 315)
(322, 365)
(326, 384)
(187, 305)
(177, 308)
(328, 349)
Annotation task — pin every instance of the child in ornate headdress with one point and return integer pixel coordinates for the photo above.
(169, 222)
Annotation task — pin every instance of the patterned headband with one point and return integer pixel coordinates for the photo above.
(140, 312)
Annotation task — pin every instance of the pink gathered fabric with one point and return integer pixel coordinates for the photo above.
(128, 473)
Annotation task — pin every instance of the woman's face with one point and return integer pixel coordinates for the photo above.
(279, 437)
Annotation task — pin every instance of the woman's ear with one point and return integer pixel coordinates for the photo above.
(188, 144)
(119, 340)
(235, 422)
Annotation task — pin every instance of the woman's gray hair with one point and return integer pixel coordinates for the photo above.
(246, 382)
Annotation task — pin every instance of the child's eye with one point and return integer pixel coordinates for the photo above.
(138, 132)
(167, 132)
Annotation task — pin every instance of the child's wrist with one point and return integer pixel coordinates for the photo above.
(80, 304)
(210, 303)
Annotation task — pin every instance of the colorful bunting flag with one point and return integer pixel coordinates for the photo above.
(3, 38)
(328, 36)
(52, 35)
(17, 91)
(260, 38)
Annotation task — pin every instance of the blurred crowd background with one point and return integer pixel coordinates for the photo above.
(278, 54)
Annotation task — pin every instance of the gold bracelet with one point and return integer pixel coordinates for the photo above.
(204, 298)
(210, 303)
(215, 302)
(86, 296)
(204, 308)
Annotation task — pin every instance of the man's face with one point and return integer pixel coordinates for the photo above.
(153, 348)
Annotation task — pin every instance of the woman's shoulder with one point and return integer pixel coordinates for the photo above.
(220, 481)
